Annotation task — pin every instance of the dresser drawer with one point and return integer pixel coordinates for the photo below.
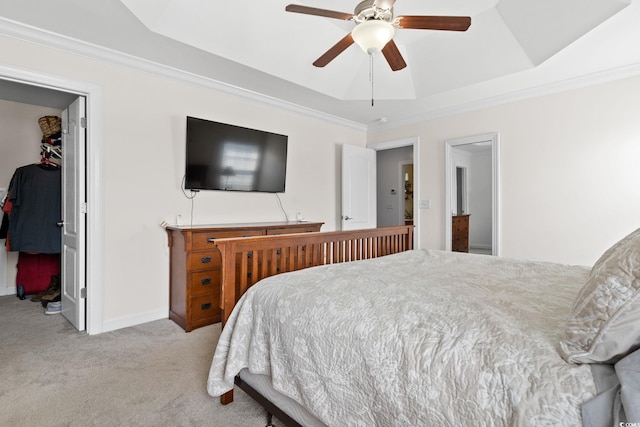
(205, 282)
(205, 260)
(205, 307)
(460, 228)
(196, 270)
(460, 221)
(204, 239)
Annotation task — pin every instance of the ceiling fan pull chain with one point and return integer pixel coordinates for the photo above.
(371, 76)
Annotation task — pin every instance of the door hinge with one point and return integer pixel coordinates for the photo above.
(83, 122)
(83, 207)
(83, 293)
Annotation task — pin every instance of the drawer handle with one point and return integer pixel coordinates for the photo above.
(206, 306)
(249, 255)
(206, 281)
(211, 239)
(205, 259)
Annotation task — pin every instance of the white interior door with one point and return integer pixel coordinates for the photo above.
(73, 214)
(358, 187)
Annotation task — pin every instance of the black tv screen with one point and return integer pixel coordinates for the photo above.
(232, 158)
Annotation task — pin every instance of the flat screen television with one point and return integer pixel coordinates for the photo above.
(225, 157)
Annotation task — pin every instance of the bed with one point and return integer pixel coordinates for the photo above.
(398, 337)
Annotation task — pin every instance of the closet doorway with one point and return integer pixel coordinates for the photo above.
(81, 266)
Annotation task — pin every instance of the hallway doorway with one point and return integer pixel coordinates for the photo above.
(391, 194)
(471, 194)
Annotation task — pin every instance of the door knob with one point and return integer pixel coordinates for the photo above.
(346, 218)
(60, 223)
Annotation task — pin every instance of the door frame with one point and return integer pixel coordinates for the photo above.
(401, 188)
(449, 146)
(93, 164)
(415, 143)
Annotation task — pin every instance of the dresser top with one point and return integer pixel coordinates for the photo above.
(276, 224)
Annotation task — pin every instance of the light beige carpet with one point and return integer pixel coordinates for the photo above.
(149, 375)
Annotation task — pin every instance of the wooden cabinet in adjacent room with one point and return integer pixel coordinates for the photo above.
(195, 266)
(460, 233)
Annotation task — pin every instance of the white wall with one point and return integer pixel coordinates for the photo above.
(568, 170)
(19, 145)
(143, 122)
(480, 203)
(21, 136)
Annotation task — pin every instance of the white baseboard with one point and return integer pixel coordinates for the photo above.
(7, 291)
(112, 325)
(138, 319)
(474, 246)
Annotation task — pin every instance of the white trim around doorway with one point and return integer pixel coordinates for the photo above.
(94, 232)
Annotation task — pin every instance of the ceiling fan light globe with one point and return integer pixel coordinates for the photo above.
(372, 36)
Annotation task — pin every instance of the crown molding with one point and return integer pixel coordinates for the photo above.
(50, 39)
(579, 82)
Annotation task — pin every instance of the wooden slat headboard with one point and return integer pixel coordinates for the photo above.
(247, 260)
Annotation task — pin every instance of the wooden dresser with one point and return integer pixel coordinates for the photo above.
(195, 270)
(460, 233)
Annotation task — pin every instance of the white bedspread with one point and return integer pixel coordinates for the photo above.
(420, 338)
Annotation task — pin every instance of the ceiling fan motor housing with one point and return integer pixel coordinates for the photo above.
(366, 11)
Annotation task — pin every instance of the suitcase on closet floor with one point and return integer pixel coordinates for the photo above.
(35, 271)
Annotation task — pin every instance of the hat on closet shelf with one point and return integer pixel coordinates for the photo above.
(50, 125)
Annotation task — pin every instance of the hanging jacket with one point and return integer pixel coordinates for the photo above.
(35, 192)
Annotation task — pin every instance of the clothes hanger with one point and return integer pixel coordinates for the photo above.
(47, 154)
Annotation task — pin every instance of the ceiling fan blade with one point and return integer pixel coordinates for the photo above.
(384, 4)
(447, 23)
(296, 8)
(393, 56)
(336, 50)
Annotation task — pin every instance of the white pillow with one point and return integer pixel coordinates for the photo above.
(604, 324)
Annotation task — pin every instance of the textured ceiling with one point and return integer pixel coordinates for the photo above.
(513, 47)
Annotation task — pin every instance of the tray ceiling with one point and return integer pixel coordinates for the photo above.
(512, 46)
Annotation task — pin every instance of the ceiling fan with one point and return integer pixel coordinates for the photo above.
(375, 27)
